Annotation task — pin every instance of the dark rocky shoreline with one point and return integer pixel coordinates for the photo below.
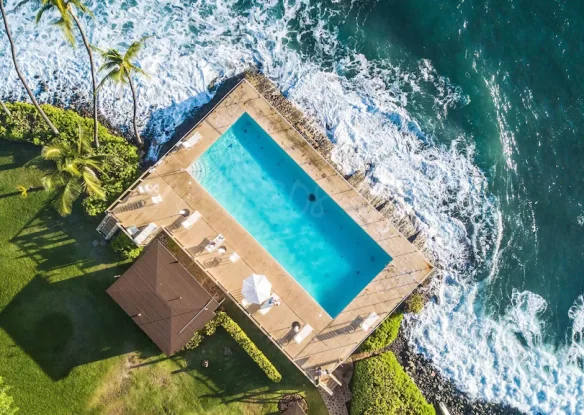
(438, 389)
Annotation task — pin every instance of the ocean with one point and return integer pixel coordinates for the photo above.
(466, 114)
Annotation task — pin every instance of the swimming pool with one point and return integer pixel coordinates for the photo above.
(280, 205)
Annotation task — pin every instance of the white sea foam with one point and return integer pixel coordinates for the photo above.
(363, 114)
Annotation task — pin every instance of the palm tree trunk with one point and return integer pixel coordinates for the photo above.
(93, 77)
(20, 76)
(135, 118)
(5, 108)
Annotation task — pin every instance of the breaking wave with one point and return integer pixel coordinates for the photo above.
(365, 107)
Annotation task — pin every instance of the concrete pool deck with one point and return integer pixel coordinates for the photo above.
(332, 340)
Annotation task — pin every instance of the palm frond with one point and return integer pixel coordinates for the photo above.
(20, 4)
(135, 48)
(65, 24)
(53, 180)
(40, 163)
(115, 76)
(41, 11)
(79, 5)
(53, 151)
(67, 196)
(140, 71)
(93, 184)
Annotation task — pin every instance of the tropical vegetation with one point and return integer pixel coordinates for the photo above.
(67, 17)
(44, 116)
(124, 246)
(69, 349)
(380, 386)
(70, 169)
(415, 303)
(120, 170)
(384, 335)
(120, 68)
(235, 331)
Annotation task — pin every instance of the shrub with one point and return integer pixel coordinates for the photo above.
(121, 168)
(384, 335)
(233, 329)
(6, 401)
(123, 245)
(194, 342)
(380, 386)
(415, 303)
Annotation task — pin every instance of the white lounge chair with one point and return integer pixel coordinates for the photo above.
(132, 230)
(214, 244)
(368, 322)
(271, 302)
(191, 141)
(191, 220)
(156, 199)
(142, 190)
(234, 257)
(302, 334)
(245, 303)
(146, 232)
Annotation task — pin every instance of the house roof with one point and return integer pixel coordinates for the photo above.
(163, 299)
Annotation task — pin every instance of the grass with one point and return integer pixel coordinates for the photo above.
(66, 347)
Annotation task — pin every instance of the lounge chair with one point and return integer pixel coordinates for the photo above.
(234, 257)
(191, 220)
(146, 232)
(156, 199)
(271, 302)
(214, 244)
(245, 303)
(303, 333)
(368, 322)
(191, 141)
(133, 230)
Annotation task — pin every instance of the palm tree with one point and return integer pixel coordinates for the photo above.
(20, 76)
(67, 12)
(120, 70)
(70, 169)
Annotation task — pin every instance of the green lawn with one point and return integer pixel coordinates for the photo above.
(67, 348)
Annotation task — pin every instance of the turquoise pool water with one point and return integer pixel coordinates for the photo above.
(305, 230)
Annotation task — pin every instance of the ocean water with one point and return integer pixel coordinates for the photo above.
(466, 114)
(290, 215)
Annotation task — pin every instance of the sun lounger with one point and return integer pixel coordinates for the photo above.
(142, 190)
(156, 199)
(192, 141)
(245, 303)
(133, 230)
(271, 302)
(214, 244)
(191, 220)
(303, 333)
(146, 232)
(234, 257)
(368, 322)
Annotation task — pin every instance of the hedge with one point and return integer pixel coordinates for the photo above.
(380, 386)
(121, 169)
(124, 246)
(415, 303)
(233, 329)
(384, 335)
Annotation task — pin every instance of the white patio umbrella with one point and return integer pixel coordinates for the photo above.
(256, 288)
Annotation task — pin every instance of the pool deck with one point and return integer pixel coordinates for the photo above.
(332, 340)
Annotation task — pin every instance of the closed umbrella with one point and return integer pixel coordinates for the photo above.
(256, 288)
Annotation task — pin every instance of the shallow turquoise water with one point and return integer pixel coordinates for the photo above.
(315, 240)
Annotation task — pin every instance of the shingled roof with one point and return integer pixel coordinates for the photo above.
(163, 299)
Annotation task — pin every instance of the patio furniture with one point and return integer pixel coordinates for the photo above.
(234, 257)
(191, 141)
(191, 220)
(156, 199)
(274, 300)
(146, 232)
(152, 188)
(256, 289)
(368, 322)
(133, 230)
(214, 244)
(302, 334)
